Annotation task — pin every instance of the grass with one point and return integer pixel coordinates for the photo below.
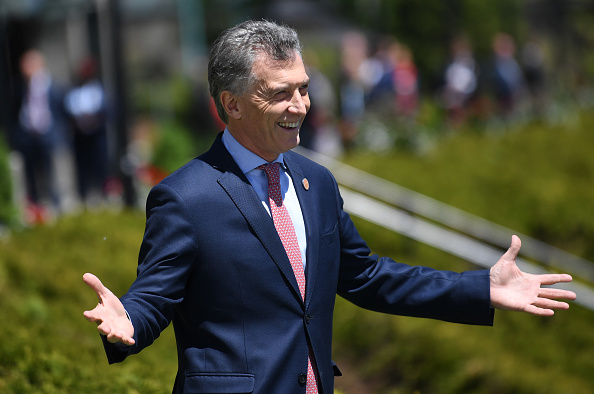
(535, 179)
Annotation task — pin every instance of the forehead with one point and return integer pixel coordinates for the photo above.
(270, 71)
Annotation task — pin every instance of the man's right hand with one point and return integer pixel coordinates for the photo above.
(110, 315)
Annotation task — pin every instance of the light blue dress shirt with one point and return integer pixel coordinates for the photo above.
(248, 162)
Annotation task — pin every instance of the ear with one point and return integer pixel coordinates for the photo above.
(231, 104)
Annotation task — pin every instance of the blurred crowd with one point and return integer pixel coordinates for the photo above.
(59, 135)
(58, 139)
(378, 92)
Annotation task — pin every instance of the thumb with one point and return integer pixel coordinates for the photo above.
(94, 283)
(514, 249)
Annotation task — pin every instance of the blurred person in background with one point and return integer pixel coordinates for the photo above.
(534, 66)
(392, 80)
(318, 130)
(460, 81)
(246, 247)
(508, 78)
(406, 82)
(38, 131)
(351, 89)
(377, 71)
(86, 106)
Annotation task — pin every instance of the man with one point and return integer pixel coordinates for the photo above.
(38, 134)
(249, 279)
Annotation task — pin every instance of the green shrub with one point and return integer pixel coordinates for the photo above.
(48, 346)
(175, 146)
(7, 209)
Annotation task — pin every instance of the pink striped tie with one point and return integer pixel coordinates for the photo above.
(286, 231)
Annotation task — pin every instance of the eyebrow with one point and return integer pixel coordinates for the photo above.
(284, 86)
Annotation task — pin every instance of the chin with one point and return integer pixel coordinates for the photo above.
(294, 142)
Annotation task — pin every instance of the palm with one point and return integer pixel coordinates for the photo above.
(512, 289)
(110, 315)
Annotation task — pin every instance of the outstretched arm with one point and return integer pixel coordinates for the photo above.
(110, 315)
(512, 289)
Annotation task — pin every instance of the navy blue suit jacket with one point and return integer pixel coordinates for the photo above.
(212, 263)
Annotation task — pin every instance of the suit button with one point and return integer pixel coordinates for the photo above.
(302, 379)
(308, 318)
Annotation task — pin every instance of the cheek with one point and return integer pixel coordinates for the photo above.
(274, 112)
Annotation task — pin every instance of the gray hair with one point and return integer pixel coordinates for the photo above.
(235, 51)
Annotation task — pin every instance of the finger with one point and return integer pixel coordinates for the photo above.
(535, 310)
(104, 329)
(557, 294)
(114, 336)
(546, 303)
(113, 339)
(94, 283)
(91, 316)
(514, 248)
(551, 279)
(120, 337)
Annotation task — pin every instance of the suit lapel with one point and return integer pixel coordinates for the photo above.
(243, 195)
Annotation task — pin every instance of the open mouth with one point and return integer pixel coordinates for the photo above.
(289, 125)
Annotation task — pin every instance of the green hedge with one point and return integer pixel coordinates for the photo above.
(7, 209)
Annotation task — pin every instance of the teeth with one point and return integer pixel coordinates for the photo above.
(288, 125)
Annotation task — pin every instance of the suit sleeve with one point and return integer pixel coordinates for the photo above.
(381, 284)
(165, 259)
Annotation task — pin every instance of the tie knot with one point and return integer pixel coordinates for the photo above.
(272, 171)
(274, 189)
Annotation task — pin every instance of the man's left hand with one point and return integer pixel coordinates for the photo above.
(512, 289)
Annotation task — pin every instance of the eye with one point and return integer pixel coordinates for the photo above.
(304, 89)
(281, 95)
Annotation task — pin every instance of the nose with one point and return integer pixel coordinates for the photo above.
(299, 104)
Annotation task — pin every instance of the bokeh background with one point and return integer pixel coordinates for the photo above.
(483, 106)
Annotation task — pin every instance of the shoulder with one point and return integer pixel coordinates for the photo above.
(207, 167)
(315, 173)
(189, 186)
(191, 175)
(306, 164)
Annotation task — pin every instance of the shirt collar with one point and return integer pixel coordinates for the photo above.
(245, 159)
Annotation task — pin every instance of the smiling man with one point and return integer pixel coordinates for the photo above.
(266, 120)
(247, 246)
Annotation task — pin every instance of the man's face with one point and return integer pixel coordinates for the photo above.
(272, 111)
(31, 63)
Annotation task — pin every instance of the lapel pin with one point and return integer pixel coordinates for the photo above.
(305, 183)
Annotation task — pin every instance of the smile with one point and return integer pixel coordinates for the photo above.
(288, 125)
